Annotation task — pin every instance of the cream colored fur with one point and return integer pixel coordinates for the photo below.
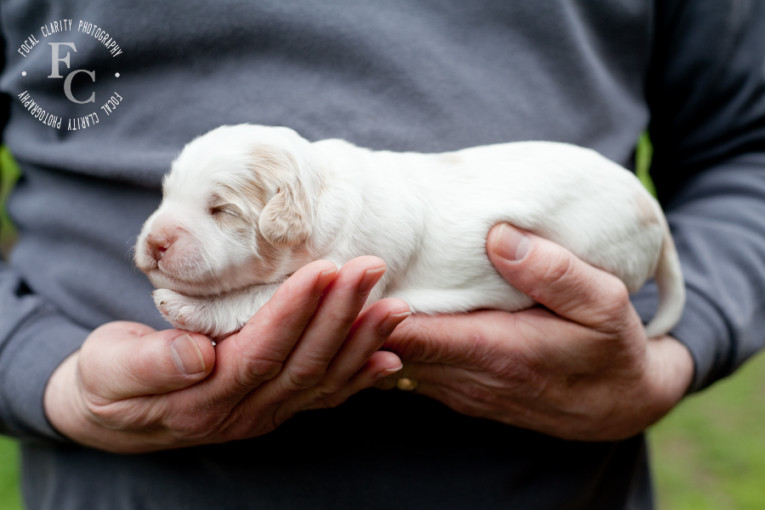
(245, 206)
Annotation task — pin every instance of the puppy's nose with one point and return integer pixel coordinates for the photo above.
(158, 244)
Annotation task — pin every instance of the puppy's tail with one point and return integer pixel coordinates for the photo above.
(669, 280)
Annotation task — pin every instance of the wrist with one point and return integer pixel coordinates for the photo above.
(64, 405)
(671, 369)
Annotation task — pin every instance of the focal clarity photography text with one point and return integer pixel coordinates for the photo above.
(62, 55)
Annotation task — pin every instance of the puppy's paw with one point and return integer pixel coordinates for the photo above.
(179, 310)
(188, 312)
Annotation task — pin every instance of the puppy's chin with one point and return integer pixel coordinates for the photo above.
(205, 287)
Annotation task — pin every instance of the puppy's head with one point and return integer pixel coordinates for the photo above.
(236, 211)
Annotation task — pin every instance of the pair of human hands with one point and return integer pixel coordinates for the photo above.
(580, 367)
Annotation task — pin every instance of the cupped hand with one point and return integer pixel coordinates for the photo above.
(133, 389)
(577, 367)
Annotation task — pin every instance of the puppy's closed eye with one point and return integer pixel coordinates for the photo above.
(221, 209)
(226, 214)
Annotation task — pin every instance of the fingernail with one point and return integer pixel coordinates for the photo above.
(187, 355)
(390, 371)
(510, 243)
(371, 277)
(391, 321)
(325, 278)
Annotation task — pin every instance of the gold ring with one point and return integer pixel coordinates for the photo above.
(406, 384)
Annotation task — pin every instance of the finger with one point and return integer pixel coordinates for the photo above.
(466, 403)
(379, 366)
(328, 329)
(124, 360)
(556, 278)
(422, 375)
(512, 344)
(459, 339)
(366, 337)
(258, 352)
(440, 382)
(466, 391)
(306, 377)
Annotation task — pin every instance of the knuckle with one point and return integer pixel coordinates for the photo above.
(117, 414)
(559, 269)
(108, 414)
(304, 376)
(334, 401)
(328, 388)
(618, 297)
(616, 305)
(326, 397)
(281, 414)
(258, 369)
(343, 319)
(477, 393)
(243, 422)
(256, 364)
(520, 384)
(516, 374)
(194, 428)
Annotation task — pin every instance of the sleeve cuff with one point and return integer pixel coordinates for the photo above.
(30, 358)
(701, 329)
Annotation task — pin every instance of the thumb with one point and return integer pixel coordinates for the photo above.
(554, 277)
(123, 360)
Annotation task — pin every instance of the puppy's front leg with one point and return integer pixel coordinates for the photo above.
(214, 316)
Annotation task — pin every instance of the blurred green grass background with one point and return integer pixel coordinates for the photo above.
(9, 461)
(9, 475)
(708, 454)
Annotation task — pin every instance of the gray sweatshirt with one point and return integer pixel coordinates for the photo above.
(98, 97)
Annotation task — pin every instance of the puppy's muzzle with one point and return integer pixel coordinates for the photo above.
(158, 244)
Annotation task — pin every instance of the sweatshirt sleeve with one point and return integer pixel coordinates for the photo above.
(706, 92)
(27, 356)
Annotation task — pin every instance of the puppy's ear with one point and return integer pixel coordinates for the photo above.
(287, 215)
(286, 219)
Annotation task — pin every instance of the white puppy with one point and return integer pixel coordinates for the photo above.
(246, 206)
